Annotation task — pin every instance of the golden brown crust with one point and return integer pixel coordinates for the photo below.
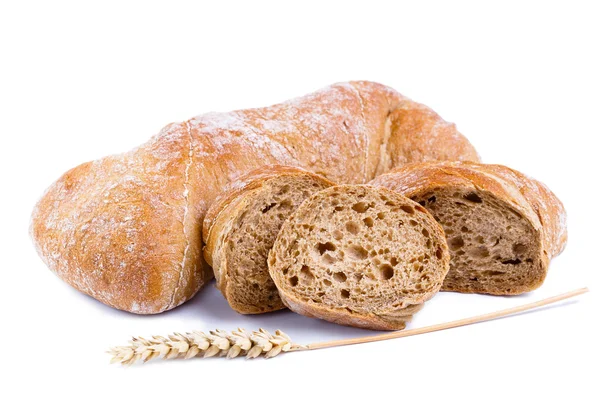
(419, 135)
(126, 229)
(120, 229)
(530, 198)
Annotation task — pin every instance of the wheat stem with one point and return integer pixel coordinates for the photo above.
(448, 325)
(251, 345)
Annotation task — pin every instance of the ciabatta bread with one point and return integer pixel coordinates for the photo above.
(241, 226)
(359, 255)
(502, 226)
(126, 229)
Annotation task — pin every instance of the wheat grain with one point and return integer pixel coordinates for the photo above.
(199, 344)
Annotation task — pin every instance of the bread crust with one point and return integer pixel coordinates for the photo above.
(530, 198)
(122, 229)
(221, 216)
(126, 229)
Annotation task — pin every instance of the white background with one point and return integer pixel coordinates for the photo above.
(80, 81)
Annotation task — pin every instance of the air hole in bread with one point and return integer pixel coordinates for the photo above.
(513, 262)
(345, 294)
(456, 243)
(339, 208)
(328, 258)
(294, 281)
(492, 273)
(267, 208)
(473, 197)
(425, 232)
(368, 222)
(358, 277)
(407, 209)
(284, 189)
(323, 247)
(439, 253)
(386, 272)
(338, 235)
(360, 207)
(432, 199)
(519, 248)
(327, 282)
(352, 227)
(380, 215)
(306, 274)
(358, 252)
(413, 222)
(340, 277)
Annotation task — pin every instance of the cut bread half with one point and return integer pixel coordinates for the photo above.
(502, 227)
(241, 226)
(359, 255)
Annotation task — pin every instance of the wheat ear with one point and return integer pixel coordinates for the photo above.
(215, 343)
(252, 345)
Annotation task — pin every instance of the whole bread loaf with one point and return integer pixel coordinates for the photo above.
(359, 255)
(241, 226)
(502, 227)
(126, 229)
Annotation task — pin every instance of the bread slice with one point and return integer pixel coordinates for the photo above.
(502, 227)
(359, 255)
(241, 226)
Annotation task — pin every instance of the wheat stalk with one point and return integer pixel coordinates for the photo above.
(240, 342)
(195, 344)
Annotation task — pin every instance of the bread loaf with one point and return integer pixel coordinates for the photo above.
(502, 226)
(241, 226)
(126, 229)
(359, 255)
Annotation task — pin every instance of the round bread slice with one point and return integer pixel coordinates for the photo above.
(241, 226)
(502, 227)
(359, 255)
